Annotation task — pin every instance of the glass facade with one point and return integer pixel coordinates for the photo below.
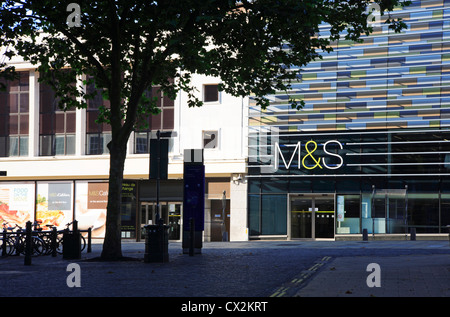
(98, 135)
(374, 132)
(163, 121)
(14, 117)
(56, 127)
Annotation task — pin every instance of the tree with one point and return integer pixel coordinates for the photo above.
(124, 47)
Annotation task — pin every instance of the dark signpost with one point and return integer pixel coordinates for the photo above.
(159, 161)
(193, 201)
(157, 238)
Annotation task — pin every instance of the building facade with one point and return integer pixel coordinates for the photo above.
(370, 149)
(57, 163)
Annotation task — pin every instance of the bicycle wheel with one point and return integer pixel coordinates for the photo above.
(8, 247)
(48, 244)
(83, 243)
(38, 246)
(19, 245)
(59, 245)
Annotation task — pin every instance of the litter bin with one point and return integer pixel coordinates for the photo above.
(71, 245)
(157, 243)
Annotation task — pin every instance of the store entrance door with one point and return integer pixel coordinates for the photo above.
(170, 212)
(311, 216)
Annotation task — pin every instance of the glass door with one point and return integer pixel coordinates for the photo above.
(145, 217)
(170, 212)
(301, 217)
(174, 220)
(324, 217)
(312, 216)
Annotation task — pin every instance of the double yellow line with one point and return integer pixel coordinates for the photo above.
(301, 278)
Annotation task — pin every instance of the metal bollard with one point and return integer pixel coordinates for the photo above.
(413, 234)
(365, 235)
(53, 242)
(28, 243)
(4, 243)
(89, 247)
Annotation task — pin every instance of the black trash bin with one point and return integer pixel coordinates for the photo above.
(71, 245)
(157, 243)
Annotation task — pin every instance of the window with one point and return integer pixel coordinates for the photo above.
(164, 121)
(14, 117)
(211, 93)
(210, 139)
(97, 135)
(56, 127)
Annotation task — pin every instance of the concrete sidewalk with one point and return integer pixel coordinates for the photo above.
(401, 276)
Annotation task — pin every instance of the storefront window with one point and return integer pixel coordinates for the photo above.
(350, 222)
(396, 213)
(16, 203)
(445, 213)
(274, 214)
(254, 215)
(54, 204)
(423, 212)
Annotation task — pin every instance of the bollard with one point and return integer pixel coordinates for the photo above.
(53, 242)
(4, 243)
(89, 248)
(28, 242)
(75, 228)
(365, 235)
(413, 234)
(448, 226)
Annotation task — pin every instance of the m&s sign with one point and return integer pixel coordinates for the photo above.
(308, 158)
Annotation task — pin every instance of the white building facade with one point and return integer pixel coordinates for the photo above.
(57, 163)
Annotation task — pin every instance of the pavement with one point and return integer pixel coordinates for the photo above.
(262, 270)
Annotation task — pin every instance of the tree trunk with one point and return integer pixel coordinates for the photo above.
(112, 248)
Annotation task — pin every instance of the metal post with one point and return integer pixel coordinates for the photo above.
(158, 159)
(372, 211)
(89, 247)
(54, 235)
(28, 244)
(413, 234)
(4, 243)
(75, 228)
(406, 209)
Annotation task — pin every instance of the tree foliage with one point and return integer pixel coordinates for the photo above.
(125, 47)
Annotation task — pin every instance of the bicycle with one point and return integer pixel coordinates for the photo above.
(17, 240)
(44, 236)
(5, 243)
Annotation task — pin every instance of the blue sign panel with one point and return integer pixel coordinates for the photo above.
(194, 196)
